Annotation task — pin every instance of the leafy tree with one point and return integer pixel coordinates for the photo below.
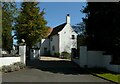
(8, 20)
(102, 26)
(79, 28)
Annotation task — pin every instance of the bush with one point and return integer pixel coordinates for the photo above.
(57, 54)
(65, 55)
(19, 64)
(12, 67)
(6, 69)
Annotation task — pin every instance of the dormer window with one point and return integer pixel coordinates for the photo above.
(73, 36)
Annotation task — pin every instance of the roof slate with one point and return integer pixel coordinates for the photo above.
(57, 29)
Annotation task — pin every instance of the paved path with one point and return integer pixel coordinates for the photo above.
(52, 71)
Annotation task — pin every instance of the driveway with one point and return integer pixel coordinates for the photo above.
(52, 71)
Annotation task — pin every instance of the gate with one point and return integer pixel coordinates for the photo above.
(74, 53)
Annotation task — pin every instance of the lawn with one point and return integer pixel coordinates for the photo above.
(110, 76)
(100, 72)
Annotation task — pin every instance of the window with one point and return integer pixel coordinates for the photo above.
(45, 49)
(73, 36)
(53, 48)
(51, 38)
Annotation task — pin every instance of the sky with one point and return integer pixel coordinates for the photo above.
(56, 12)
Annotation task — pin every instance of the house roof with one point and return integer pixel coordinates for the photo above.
(57, 29)
(49, 31)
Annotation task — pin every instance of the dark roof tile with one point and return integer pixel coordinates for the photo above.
(57, 29)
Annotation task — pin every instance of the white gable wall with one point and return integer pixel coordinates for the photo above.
(54, 43)
(44, 44)
(66, 42)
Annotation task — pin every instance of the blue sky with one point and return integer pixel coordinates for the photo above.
(56, 12)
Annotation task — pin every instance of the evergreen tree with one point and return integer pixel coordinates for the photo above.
(8, 20)
(31, 25)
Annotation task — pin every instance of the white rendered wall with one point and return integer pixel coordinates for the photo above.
(22, 53)
(11, 60)
(95, 58)
(55, 43)
(111, 67)
(44, 44)
(106, 61)
(115, 68)
(8, 60)
(83, 56)
(66, 42)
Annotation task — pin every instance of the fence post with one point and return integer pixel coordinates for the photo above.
(22, 53)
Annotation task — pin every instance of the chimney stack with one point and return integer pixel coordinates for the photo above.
(68, 19)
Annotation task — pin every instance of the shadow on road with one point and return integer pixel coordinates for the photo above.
(64, 67)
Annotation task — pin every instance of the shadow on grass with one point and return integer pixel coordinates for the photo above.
(63, 67)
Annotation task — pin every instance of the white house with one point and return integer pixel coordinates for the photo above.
(62, 38)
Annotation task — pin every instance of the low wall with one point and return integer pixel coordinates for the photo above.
(11, 60)
(8, 60)
(95, 59)
(92, 59)
(115, 68)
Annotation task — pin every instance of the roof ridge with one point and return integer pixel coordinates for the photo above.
(57, 29)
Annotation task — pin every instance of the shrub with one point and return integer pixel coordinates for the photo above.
(12, 67)
(65, 55)
(57, 54)
(19, 65)
(6, 68)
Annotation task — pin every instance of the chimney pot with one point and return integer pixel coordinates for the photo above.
(68, 19)
(68, 15)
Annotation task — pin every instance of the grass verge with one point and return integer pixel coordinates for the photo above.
(105, 74)
(110, 76)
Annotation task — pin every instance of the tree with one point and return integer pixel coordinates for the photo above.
(8, 20)
(79, 28)
(102, 26)
(31, 25)
(0, 25)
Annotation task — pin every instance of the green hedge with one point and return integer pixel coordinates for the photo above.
(65, 55)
